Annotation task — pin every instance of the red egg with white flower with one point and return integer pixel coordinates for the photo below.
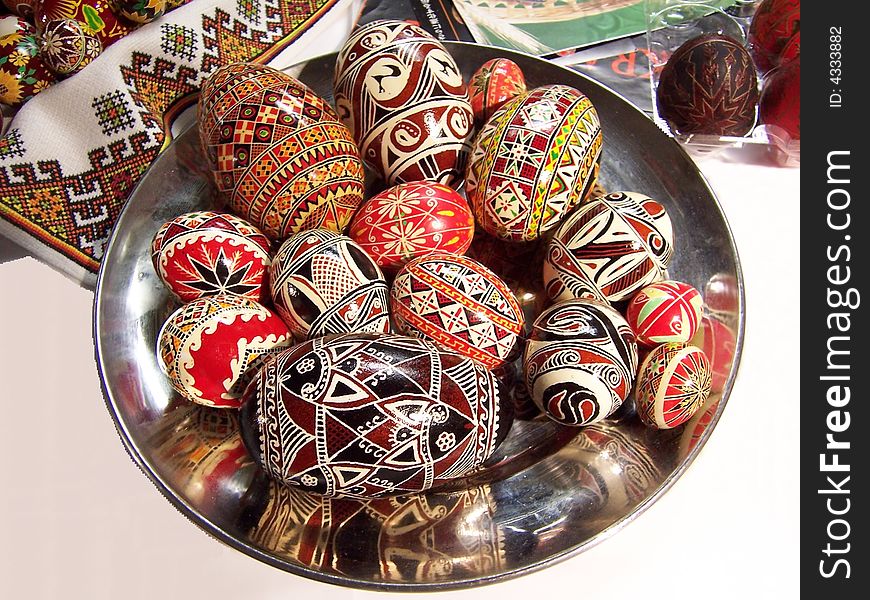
(211, 347)
(410, 220)
(205, 253)
(665, 311)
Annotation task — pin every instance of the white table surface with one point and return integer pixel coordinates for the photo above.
(79, 520)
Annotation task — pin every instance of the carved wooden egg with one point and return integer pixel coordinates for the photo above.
(323, 283)
(23, 72)
(532, 162)
(410, 220)
(494, 83)
(367, 415)
(709, 86)
(403, 97)
(279, 154)
(775, 33)
(780, 103)
(209, 348)
(672, 384)
(460, 304)
(205, 253)
(665, 311)
(613, 245)
(580, 361)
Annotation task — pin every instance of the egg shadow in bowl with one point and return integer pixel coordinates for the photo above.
(551, 492)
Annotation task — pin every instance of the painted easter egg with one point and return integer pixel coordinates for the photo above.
(494, 83)
(279, 155)
(665, 311)
(206, 253)
(611, 246)
(98, 15)
(532, 162)
(580, 361)
(410, 220)
(403, 97)
(780, 103)
(672, 384)
(139, 11)
(775, 33)
(367, 415)
(68, 46)
(719, 343)
(209, 348)
(460, 304)
(324, 283)
(23, 73)
(709, 86)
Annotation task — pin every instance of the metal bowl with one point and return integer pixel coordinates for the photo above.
(550, 493)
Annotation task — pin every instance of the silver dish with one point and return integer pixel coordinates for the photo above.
(549, 494)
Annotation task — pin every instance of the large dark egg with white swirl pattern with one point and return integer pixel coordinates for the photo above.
(609, 248)
(367, 415)
(404, 99)
(580, 361)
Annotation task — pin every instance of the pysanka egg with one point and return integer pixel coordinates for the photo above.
(205, 253)
(412, 219)
(580, 361)
(460, 304)
(367, 415)
(494, 83)
(403, 97)
(279, 154)
(613, 245)
(665, 311)
(780, 103)
(139, 11)
(68, 46)
(709, 86)
(775, 33)
(210, 347)
(23, 72)
(533, 161)
(324, 283)
(672, 384)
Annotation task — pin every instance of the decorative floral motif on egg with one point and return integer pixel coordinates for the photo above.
(23, 73)
(672, 384)
(368, 415)
(205, 253)
(580, 361)
(494, 83)
(613, 246)
(68, 46)
(460, 304)
(279, 154)
(209, 348)
(533, 161)
(324, 283)
(410, 220)
(139, 11)
(402, 95)
(99, 16)
(665, 311)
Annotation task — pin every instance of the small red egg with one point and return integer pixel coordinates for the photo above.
(780, 103)
(673, 382)
(774, 33)
(410, 220)
(494, 83)
(206, 253)
(211, 347)
(665, 311)
(709, 86)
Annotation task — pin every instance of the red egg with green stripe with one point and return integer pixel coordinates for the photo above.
(665, 311)
(673, 383)
(460, 304)
(411, 220)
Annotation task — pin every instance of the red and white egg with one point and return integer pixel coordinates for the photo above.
(410, 220)
(494, 83)
(665, 311)
(673, 382)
